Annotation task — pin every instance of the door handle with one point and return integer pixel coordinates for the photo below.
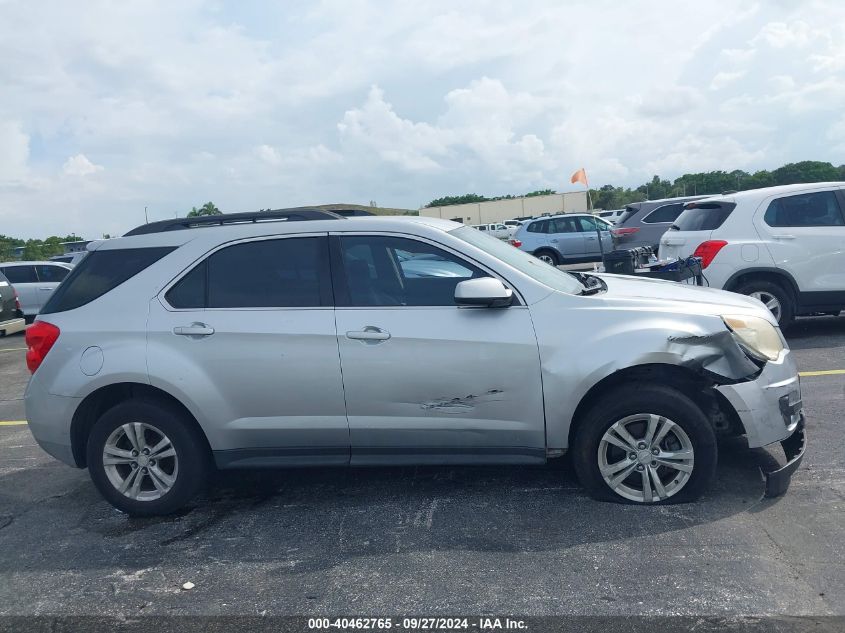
(194, 329)
(784, 237)
(369, 334)
(592, 237)
(47, 289)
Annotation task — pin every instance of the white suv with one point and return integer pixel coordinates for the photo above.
(782, 245)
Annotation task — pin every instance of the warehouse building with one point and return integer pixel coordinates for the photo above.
(501, 210)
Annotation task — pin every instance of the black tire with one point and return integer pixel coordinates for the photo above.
(783, 296)
(550, 253)
(644, 398)
(192, 453)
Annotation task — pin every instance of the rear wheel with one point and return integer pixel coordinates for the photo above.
(548, 256)
(146, 458)
(645, 444)
(774, 297)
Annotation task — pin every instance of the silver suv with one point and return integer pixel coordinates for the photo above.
(565, 239)
(313, 340)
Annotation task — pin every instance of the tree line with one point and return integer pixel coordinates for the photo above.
(35, 249)
(702, 183)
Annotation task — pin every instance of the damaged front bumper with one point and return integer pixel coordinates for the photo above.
(777, 481)
(770, 410)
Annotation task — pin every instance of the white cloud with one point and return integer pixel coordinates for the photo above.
(306, 102)
(721, 80)
(14, 153)
(79, 165)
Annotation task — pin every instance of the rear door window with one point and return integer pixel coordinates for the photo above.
(807, 209)
(704, 216)
(49, 273)
(563, 225)
(20, 274)
(665, 214)
(278, 273)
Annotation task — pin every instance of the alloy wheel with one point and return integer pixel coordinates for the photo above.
(645, 457)
(140, 461)
(770, 301)
(547, 259)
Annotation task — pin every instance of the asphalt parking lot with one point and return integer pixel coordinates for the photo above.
(433, 540)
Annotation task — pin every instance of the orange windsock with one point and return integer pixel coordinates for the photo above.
(580, 176)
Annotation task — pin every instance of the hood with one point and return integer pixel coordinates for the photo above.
(680, 297)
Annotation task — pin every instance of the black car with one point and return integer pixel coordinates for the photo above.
(11, 316)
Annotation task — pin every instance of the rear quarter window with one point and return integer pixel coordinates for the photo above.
(665, 214)
(98, 273)
(704, 217)
(808, 209)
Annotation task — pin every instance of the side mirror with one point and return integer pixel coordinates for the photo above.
(486, 292)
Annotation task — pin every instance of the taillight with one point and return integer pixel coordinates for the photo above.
(515, 243)
(628, 230)
(708, 250)
(40, 337)
(18, 302)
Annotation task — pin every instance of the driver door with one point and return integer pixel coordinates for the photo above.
(426, 381)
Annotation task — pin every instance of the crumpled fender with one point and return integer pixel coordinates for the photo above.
(581, 347)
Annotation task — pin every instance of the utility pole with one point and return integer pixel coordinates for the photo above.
(146, 219)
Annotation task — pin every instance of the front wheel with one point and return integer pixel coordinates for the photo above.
(146, 458)
(645, 444)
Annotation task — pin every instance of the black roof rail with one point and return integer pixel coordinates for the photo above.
(352, 213)
(296, 214)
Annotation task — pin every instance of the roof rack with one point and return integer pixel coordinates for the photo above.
(297, 214)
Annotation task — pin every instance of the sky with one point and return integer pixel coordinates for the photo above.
(110, 107)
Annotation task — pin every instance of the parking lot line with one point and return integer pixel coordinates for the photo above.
(12, 422)
(14, 349)
(824, 372)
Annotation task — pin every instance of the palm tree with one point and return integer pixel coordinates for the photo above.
(207, 209)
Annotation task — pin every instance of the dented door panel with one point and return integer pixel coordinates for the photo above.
(449, 385)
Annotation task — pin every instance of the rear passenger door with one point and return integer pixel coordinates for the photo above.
(248, 335)
(805, 235)
(25, 281)
(566, 236)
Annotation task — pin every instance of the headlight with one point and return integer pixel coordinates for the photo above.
(756, 335)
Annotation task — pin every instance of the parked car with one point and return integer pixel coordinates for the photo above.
(782, 245)
(334, 356)
(565, 239)
(11, 317)
(71, 258)
(643, 223)
(499, 231)
(611, 216)
(513, 227)
(34, 281)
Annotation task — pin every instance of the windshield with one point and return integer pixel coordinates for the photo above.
(522, 261)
